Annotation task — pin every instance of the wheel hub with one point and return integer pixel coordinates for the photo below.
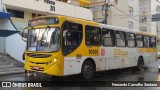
(87, 69)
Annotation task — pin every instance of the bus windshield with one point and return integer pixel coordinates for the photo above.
(45, 40)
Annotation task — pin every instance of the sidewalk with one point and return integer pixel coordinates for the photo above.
(10, 66)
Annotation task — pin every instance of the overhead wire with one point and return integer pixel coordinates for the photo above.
(131, 16)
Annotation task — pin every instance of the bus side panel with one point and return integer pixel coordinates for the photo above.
(72, 65)
(131, 57)
(100, 63)
(120, 57)
(111, 61)
(148, 54)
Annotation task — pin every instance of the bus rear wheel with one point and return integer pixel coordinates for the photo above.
(140, 64)
(87, 70)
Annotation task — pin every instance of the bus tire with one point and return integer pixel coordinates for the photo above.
(87, 70)
(25, 71)
(140, 64)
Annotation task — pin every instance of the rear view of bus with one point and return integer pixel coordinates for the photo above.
(43, 52)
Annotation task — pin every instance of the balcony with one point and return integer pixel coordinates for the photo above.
(76, 2)
(51, 7)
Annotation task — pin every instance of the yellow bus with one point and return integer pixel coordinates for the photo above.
(61, 46)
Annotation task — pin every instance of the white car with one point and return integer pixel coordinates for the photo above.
(158, 56)
(159, 66)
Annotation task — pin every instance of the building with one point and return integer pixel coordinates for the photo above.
(24, 10)
(122, 13)
(132, 14)
(10, 39)
(147, 9)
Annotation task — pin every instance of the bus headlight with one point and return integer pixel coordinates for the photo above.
(55, 59)
(52, 61)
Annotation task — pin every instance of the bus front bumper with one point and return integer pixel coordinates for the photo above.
(53, 70)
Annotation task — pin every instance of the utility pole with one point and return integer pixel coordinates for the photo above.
(106, 13)
(105, 8)
(107, 5)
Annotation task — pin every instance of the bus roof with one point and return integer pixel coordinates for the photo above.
(126, 30)
(67, 17)
(97, 24)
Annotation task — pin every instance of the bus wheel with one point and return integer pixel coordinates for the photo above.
(87, 70)
(25, 71)
(140, 64)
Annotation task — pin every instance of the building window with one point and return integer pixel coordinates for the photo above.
(33, 15)
(158, 9)
(63, 1)
(143, 19)
(116, 2)
(16, 13)
(130, 11)
(36, 15)
(130, 25)
(144, 29)
(39, 15)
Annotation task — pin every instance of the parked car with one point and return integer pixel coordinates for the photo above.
(159, 66)
(158, 56)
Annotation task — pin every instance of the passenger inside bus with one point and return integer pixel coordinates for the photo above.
(72, 36)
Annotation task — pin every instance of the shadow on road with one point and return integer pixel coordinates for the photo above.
(110, 75)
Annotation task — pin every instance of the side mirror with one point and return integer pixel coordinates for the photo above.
(24, 34)
(24, 37)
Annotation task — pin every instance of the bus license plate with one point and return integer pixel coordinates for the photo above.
(36, 67)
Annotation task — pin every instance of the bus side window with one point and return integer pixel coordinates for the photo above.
(107, 37)
(139, 40)
(153, 42)
(130, 39)
(93, 36)
(146, 41)
(120, 39)
(72, 36)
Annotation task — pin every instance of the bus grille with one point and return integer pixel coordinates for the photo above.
(40, 68)
(38, 55)
(38, 62)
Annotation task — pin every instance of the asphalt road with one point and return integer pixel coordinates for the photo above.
(149, 73)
